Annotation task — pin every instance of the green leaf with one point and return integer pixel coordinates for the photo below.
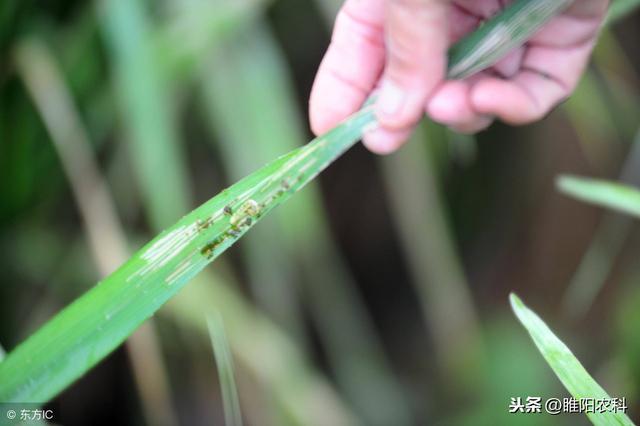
(623, 198)
(566, 366)
(96, 323)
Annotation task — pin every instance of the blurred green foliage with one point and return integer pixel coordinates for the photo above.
(343, 320)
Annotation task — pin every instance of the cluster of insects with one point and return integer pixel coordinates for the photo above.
(240, 219)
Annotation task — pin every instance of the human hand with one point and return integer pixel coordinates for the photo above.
(400, 46)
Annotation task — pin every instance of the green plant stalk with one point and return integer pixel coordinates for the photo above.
(619, 84)
(195, 27)
(144, 96)
(264, 353)
(565, 365)
(596, 120)
(106, 240)
(224, 363)
(420, 217)
(621, 8)
(96, 323)
(606, 245)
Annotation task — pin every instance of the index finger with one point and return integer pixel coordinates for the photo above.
(351, 66)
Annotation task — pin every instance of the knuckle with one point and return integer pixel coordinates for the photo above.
(350, 25)
(402, 55)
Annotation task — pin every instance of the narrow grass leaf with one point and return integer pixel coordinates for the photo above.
(566, 366)
(297, 389)
(419, 214)
(107, 243)
(96, 323)
(148, 118)
(616, 196)
(224, 363)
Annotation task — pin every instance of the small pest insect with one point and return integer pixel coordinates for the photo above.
(249, 209)
(228, 210)
(201, 225)
(208, 250)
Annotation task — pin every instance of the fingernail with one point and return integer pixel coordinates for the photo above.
(391, 99)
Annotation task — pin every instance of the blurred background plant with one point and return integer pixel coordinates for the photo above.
(382, 295)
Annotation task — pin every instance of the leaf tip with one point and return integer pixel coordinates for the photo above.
(516, 302)
(567, 183)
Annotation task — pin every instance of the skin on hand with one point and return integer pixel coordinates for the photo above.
(399, 48)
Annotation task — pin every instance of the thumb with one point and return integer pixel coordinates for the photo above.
(416, 42)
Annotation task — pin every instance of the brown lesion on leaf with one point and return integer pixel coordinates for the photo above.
(209, 249)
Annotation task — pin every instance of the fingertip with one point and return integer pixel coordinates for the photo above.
(351, 66)
(481, 96)
(331, 101)
(503, 99)
(385, 141)
(399, 107)
(320, 120)
(450, 104)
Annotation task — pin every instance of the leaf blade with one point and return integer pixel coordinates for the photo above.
(564, 364)
(620, 197)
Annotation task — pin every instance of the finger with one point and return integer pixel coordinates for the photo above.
(461, 22)
(566, 31)
(579, 23)
(416, 42)
(451, 106)
(482, 9)
(588, 8)
(352, 65)
(548, 75)
(385, 141)
(508, 66)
